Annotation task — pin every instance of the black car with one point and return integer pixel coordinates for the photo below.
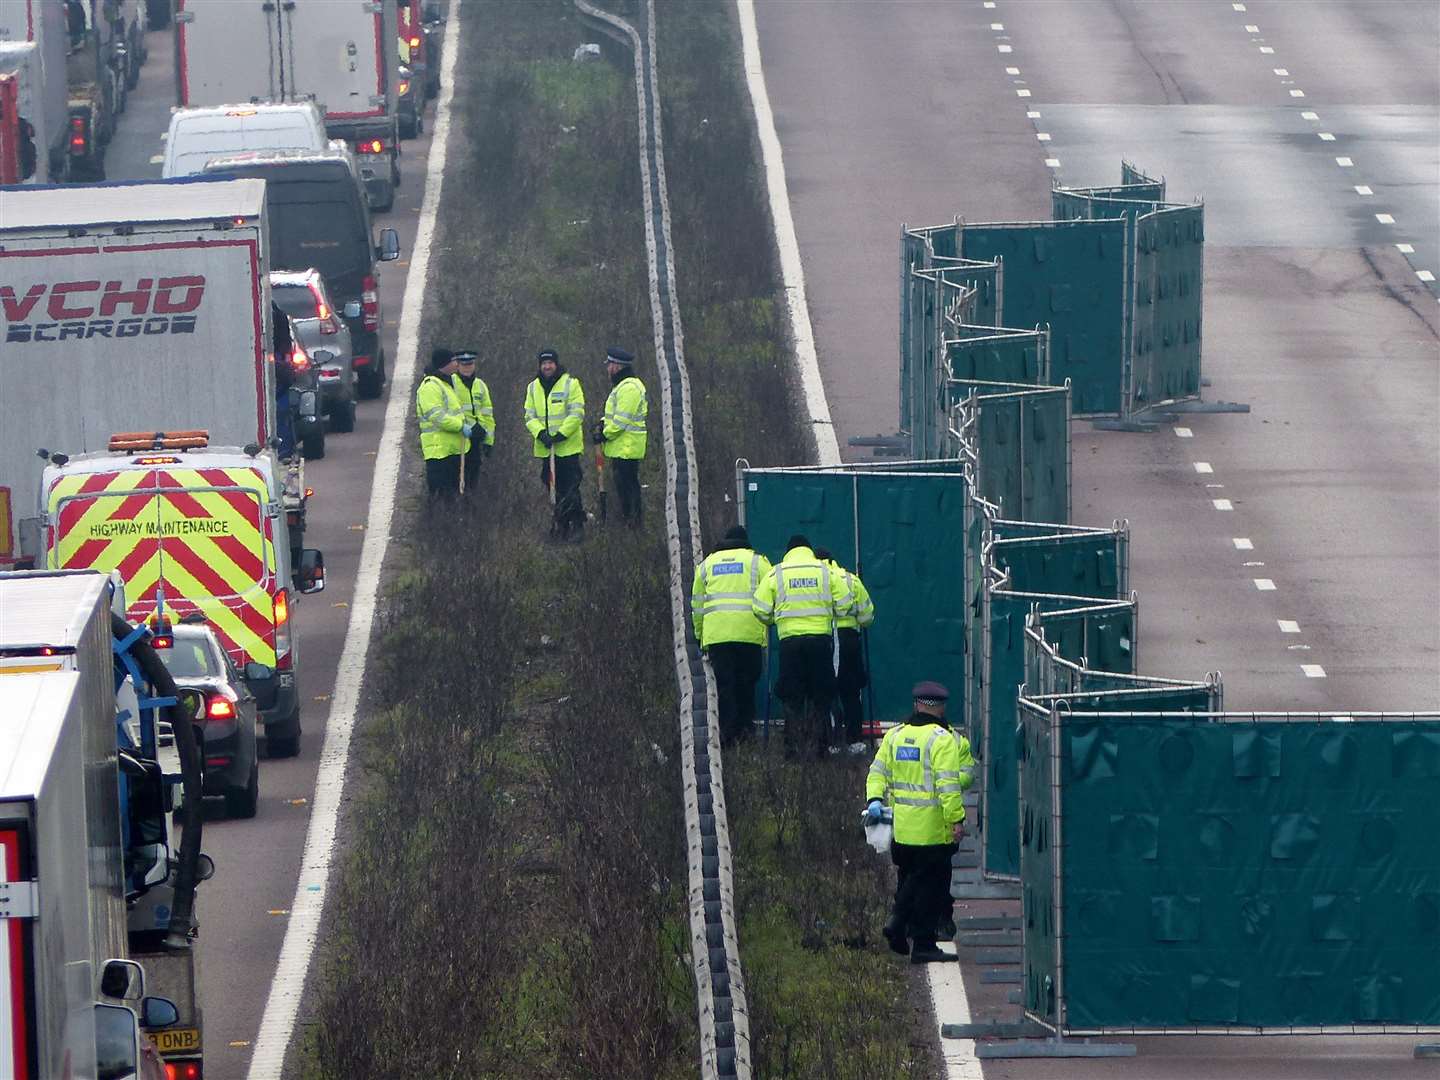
(319, 218)
(198, 661)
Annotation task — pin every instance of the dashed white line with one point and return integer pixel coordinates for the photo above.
(1022, 93)
(1326, 136)
(1222, 504)
(1255, 562)
(1006, 48)
(1043, 136)
(989, 4)
(1012, 71)
(1216, 486)
(1266, 49)
(1052, 162)
(1345, 162)
(1288, 626)
(1385, 219)
(1424, 275)
(1264, 584)
(997, 26)
(1183, 433)
(1242, 543)
(1251, 29)
(1406, 249)
(1363, 189)
(1033, 115)
(1281, 71)
(1313, 671)
(1238, 7)
(1204, 467)
(1297, 93)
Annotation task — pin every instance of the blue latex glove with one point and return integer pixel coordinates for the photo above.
(467, 428)
(874, 811)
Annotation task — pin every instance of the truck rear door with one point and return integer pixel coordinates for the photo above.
(346, 51)
(184, 540)
(230, 51)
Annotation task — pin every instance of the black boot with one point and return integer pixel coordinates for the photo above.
(927, 952)
(894, 932)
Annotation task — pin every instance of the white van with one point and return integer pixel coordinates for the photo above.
(198, 136)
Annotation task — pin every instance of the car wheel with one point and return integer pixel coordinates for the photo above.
(342, 416)
(313, 446)
(242, 802)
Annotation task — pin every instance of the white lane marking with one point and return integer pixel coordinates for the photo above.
(989, 4)
(1297, 93)
(1255, 562)
(1313, 671)
(1326, 136)
(947, 994)
(1424, 275)
(1204, 467)
(1385, 219)
(1264, 584)
(1043, 136)
(827, 447)
(1052, 162)
(1266, 49)
(1005, 48)
(1216, 486)
(1033, 115)
(1363, 189)
(1310, 116)
(1281, 71)
(1345, 162)
(997, 26)
(1250, 28)
(1184, 433)
(1022, 93)
(1222, 504)
(301, 933)
(1242, 543)
(1405, 249)
(1288, 626)
(1012, 71)
(157, 159)
(1238, 7)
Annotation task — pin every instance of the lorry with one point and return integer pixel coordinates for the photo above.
(87, 854)
(34, 65)
(126, 307)
(20, 140)
(344, 56)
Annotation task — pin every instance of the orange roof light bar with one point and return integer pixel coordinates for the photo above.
(129, 442)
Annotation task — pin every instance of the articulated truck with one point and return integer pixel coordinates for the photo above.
(96, 893)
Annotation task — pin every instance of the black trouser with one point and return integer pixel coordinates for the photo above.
(922, 890)
(806, 688)
(472, 461)
(627, 487)
(737, 669)
(442, 476)
(569, 508)
(850, 681)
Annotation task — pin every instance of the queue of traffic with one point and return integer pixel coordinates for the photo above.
(173, 352)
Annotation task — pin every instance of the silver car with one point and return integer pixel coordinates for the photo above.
(325, 338)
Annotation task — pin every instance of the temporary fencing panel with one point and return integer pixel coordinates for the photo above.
(1069, 276)
(1235, 873)
(1020, 440)
(992, 354)
(899, 526)
(1166, 325)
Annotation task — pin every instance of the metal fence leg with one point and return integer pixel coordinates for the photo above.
(1053, 1047)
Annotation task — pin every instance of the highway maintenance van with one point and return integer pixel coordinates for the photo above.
(191, 529)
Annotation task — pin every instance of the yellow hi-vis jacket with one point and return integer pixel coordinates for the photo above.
(801, 596)
(922, 769)
(720, 598)
(625, 412)
(560, 412)
(442, 422)
(861, 613)
(476, 406)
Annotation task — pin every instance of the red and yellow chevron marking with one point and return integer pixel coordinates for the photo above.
(184, 540)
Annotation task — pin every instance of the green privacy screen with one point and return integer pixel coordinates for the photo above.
(1019, 437)
(1169, 272)
(1234, 871)
(901, 525)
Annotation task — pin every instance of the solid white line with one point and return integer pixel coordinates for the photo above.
(827, 447)
(1223, 504)
(947, 995)
(1288, 626)
(286, 989)
(1264, 584)
(1204, 467)
(1313, 671)
(1243, 543)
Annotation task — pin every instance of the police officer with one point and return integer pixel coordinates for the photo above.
(851, 678)
(555, 418)
(444, 431)
(478, 410)
(727, 629)
(622, 431)
(922, 769)
(802, 598)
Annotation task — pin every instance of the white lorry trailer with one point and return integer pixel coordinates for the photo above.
(81, 835)
(39, 78)
(344, 56)
(127, 308)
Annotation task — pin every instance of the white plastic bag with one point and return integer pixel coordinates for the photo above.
(878, 834)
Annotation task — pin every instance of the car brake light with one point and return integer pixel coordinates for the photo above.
(217, 762)
(161, 641)
(371, 146)
(370, 302)
(298, 359)
(282, 630)
(415, 41)
(183, 1070)
(78, 137)
(330, 372)
(220, 708)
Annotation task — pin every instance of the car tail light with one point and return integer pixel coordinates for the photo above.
(282, 630)
(220, 708)
(330, 372)
(79, 137)
(404, 88)
(371, 146)
(220, 761)
(415, 41)
(162, 641)
(183, 1070)
(299, 359)
(370, 302)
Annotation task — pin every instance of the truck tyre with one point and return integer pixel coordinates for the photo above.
(242, 802)
(313, 446)
(342, 417)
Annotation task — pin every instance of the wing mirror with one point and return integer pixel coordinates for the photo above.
(310, 574)
(389, 249)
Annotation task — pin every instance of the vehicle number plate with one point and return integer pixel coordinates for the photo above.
(177, 1040)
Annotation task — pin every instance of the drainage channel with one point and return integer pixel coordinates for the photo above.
(715, 955)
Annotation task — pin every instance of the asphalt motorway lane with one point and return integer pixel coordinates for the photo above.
(243, 908)
(1295, 549)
